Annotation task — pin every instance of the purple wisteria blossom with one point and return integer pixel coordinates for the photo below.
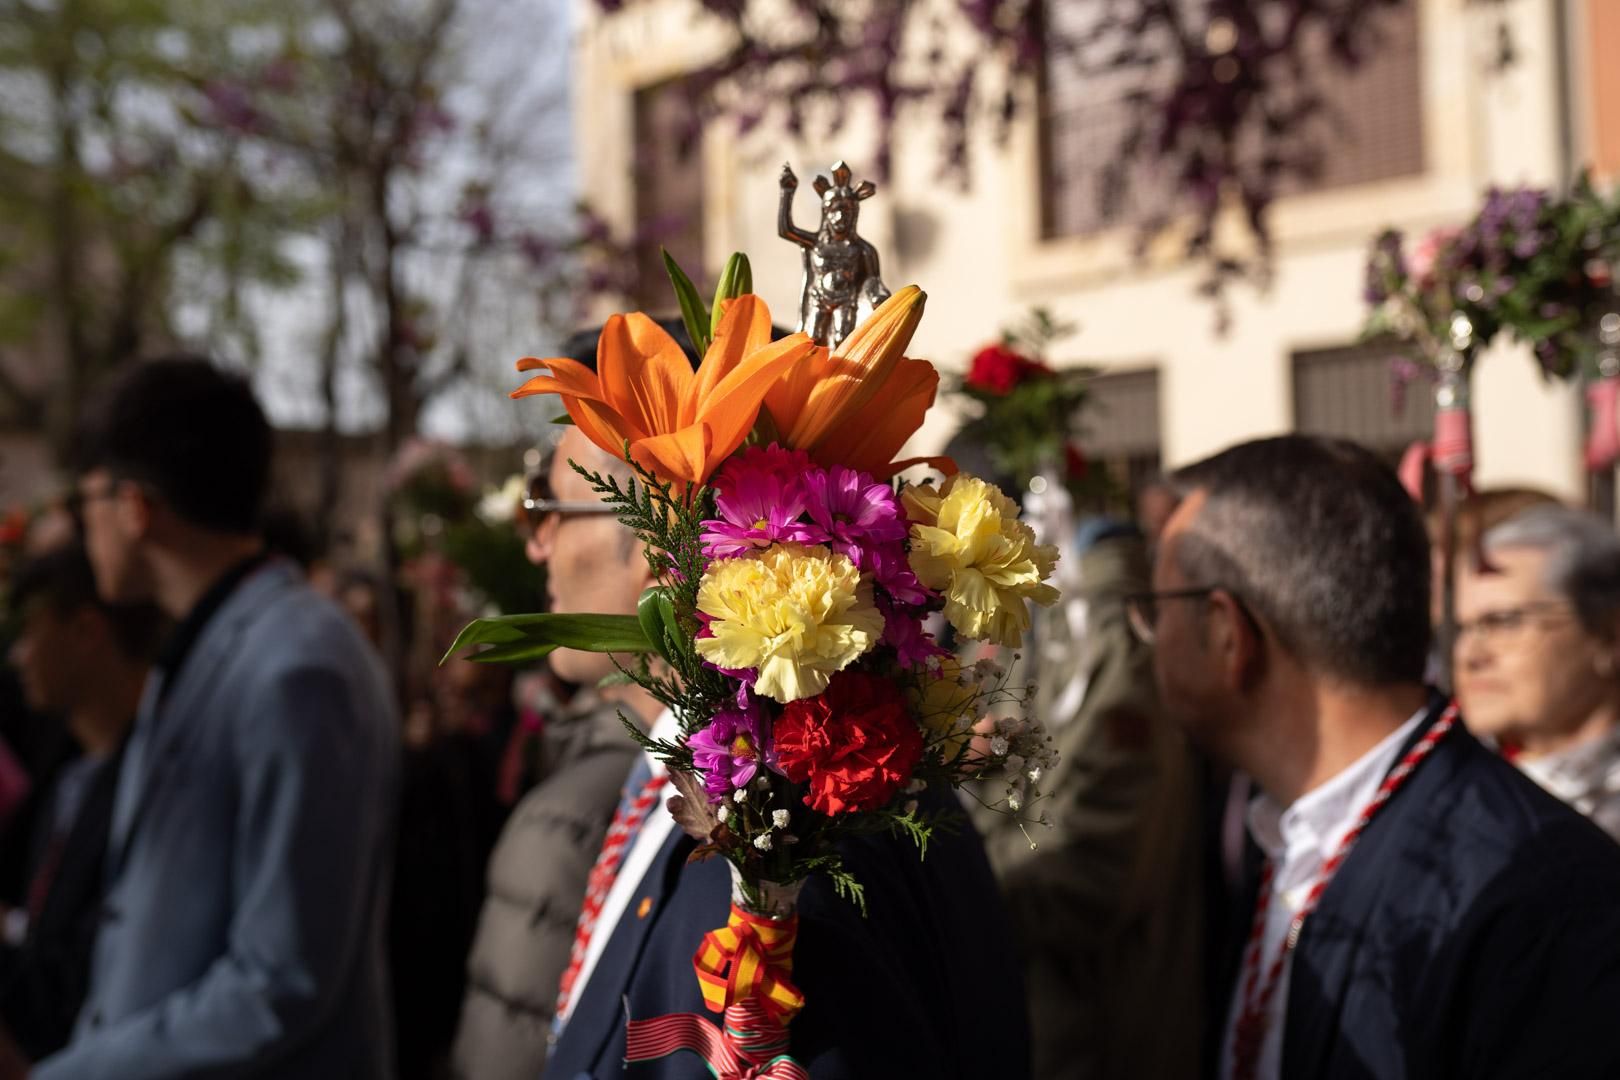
(760, 496)
(729, 751)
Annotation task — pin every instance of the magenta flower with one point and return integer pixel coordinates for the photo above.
(729, 751)
(760, 495)
(855, 514)
(891, 569)
(903, 632)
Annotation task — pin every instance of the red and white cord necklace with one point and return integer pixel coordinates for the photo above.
(1254, 1015)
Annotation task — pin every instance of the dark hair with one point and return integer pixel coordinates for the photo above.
(1319, 539)
(190, 432)
(63, 580)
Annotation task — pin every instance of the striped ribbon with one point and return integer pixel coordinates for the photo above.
(750, 959)
(751, 1046)
(1254, 1016)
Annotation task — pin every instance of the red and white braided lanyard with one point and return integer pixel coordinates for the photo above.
(615, 846)
(1254, 1015)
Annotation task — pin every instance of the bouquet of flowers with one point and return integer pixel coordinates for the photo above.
(787, 629)
(1536, 266)
(1027, 409)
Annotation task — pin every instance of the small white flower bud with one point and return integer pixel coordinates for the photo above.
(763, 841)
(779, 818)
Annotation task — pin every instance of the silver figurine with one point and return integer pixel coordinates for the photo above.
(842, 284)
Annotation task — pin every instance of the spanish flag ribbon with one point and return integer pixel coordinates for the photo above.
(750, 959)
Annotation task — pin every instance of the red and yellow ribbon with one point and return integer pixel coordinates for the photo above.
(750, 958)
(751, 1046)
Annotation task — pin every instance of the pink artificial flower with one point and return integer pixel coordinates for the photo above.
(1426, 253)
(760, 496)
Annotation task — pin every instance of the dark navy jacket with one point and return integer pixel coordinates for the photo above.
(1474, 932)
(927, 985)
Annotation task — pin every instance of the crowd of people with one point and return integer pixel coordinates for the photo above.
(231, 846)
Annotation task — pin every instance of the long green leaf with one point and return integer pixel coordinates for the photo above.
(588, 633)
(694, 313)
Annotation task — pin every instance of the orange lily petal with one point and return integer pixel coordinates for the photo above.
(581, 395)
(789, 395)
(678, 455)
(644, 374)
(731, 409)
(745, 327)
(869, 355)
(868, 438)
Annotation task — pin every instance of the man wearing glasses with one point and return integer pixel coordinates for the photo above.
(542, 864)
(1425, 911)
(247, 866)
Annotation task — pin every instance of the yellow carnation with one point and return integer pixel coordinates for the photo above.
(794, 613)
(945, 703)
(967, 543)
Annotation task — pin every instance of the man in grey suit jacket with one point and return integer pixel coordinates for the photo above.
(248, 862)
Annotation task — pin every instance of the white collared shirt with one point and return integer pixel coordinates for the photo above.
(637, 861)
(1298, 840)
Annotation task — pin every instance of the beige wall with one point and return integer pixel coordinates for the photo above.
(979, 256)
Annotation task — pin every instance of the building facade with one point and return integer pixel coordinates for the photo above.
(1431, 124)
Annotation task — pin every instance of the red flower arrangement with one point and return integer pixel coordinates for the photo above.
(855, 743)
(997, 369)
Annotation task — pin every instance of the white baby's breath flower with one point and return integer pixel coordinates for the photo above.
(740, 795)
(1034, 775)
(762, 783)
(723, 813)
(1013, 801)
(763, 841)
(999, 745)
(779, 818)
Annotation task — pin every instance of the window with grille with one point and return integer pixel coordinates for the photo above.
(669, 193)
(1359, 392)
(1119, 427)
(1373, 130)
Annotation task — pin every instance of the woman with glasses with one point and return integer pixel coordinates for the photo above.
(1538, 654)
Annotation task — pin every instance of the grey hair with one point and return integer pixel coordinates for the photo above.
(1583, 560)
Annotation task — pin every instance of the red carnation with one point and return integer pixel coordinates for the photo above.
(997, 369)
(1075, 463)
(855, 743)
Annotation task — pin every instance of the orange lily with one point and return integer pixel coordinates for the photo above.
(857, 404)
(680, 425)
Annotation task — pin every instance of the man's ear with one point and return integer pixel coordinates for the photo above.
(1234, 640)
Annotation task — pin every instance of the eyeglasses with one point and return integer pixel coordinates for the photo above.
(75, 499)
(539, 510)
(1142, 609)
(1507, 623)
